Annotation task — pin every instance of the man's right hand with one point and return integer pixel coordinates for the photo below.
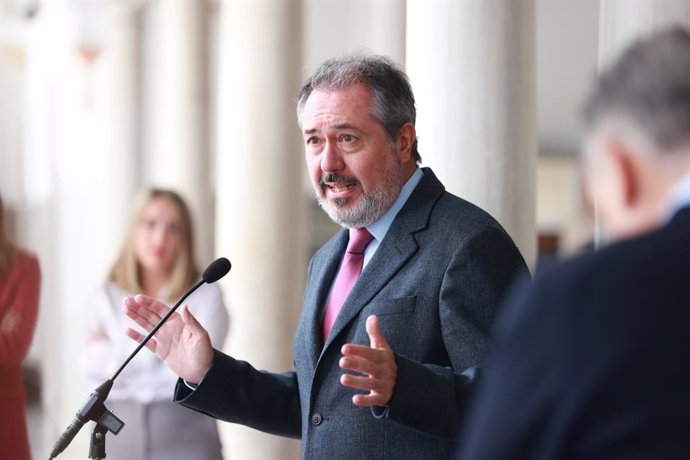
(181, 342)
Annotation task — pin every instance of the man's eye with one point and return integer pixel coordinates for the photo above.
(312, 140)
(348, 138)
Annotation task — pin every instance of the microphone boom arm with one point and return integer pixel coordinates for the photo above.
(94, 408)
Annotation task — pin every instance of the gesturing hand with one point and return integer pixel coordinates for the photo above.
(181, 342)
(376, 362)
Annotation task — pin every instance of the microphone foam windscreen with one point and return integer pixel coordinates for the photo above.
(216, 270)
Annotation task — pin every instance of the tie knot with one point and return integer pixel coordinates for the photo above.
(359, 240)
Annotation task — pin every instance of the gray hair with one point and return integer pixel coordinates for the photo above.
(649, 86)
(393, 99)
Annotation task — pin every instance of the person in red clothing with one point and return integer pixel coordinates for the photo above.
(20, 280)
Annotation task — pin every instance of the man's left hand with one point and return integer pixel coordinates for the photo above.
(376, 363)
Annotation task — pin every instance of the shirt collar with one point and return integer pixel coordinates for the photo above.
(380, 227)
(680, 196)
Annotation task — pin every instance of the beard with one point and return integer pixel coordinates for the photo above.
(371, 205)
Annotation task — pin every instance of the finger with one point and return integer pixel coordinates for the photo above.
(152, 304)
(362, 383)
(362, 366)
(136, 316)
(138, 337)
(189, 319)
(369, 400)
(139, 312)
(376, 338)
(363, 352)
(132, 307)
(146, 306)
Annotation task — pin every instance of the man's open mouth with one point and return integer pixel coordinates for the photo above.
(339, 187)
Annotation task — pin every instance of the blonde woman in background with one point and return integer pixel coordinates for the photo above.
(158, 260)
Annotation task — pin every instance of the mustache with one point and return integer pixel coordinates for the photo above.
(337, 179)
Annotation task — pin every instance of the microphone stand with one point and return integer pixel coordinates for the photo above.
(94, 408)
(105, 420)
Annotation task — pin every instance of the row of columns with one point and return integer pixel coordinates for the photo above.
(471, 65)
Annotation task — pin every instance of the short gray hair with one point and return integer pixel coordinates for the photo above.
(648, 85)
(393, 99)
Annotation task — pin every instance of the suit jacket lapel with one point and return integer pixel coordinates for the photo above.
(324, 271)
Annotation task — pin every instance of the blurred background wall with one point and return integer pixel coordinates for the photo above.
(99, 98)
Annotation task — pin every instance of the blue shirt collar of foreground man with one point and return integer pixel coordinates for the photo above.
(680, 197)
(380, 227)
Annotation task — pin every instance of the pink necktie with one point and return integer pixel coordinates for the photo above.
(347, 276)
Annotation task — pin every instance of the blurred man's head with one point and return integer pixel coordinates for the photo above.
(357, 117)
(638, 143)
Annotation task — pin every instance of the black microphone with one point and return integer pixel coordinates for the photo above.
(93, 409)
(216, 270)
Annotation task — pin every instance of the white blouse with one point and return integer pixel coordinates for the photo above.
(146, 378)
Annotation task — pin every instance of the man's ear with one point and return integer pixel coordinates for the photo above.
(406, 136)
(624, 168)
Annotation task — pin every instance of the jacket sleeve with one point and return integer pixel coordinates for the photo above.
(233, 391)
(15, 342)
(513, 411)
(433, 399)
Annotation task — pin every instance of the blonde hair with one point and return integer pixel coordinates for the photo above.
(126, 271)
(8, 251)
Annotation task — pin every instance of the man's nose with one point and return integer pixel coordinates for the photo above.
(331, 158)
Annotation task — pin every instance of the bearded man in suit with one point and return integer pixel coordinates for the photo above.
(385, 360)
(593, 359)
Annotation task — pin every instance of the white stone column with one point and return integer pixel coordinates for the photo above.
(88, 91)
(118, 91)
(386, 20)
(261, 206)
(471, 65)
(178, 147)
(621, 22)
(44, 41)
(336, 27)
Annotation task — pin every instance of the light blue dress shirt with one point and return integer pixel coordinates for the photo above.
(680, 197)
(379, 228)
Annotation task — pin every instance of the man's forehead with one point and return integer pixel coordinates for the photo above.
(337, 107)
(353, 93)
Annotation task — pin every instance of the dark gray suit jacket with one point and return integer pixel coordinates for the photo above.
(592, 359)
(435, 283)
